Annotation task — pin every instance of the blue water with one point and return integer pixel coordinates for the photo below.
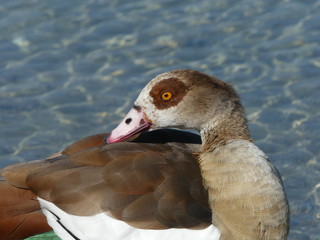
(69, 69)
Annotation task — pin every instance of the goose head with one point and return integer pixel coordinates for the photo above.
(185, 99)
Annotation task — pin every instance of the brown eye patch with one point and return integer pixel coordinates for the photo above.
(173, 86)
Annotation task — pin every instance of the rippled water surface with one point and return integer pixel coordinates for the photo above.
(69, 69)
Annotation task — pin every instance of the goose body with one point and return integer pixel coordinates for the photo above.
(166, 184)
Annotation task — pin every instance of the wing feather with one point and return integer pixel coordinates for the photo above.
(147, 185)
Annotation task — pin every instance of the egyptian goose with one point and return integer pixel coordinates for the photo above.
(165, 184)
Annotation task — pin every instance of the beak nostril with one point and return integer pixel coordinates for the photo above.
(142, 122)
(128, 120)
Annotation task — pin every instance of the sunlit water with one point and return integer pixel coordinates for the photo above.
(69, 69)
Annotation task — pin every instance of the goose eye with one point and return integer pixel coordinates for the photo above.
(166, 96)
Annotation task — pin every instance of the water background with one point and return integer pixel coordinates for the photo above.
(69, 69)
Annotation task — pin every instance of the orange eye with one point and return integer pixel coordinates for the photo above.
(166, 96)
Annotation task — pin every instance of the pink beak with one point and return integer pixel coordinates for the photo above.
(133, 123)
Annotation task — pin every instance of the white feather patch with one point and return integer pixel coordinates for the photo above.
(100, 226)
